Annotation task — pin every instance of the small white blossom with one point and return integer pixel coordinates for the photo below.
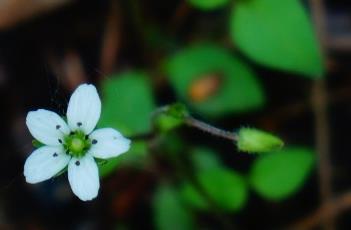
(74, 144)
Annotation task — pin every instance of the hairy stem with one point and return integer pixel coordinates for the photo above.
(190, 121)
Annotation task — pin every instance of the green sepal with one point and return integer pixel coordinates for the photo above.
(171, 117)
(252, 140)
(100, 161)
(61, 172)
(176, 110)
(37, 144)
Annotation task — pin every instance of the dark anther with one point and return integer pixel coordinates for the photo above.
(94, 142)
(77, 163)
(86, 137)
(59, 140)
(79, 124)
(58, 126)
(55, 155)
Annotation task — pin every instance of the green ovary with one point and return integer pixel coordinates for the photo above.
(77, 144)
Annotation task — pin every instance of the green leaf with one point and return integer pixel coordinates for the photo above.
(208, 4)
(135, 156)
(127, 103)
(226, 188)
(204, 159)
(169, 213)
(277, 34)
(213, 81)
(278, 175)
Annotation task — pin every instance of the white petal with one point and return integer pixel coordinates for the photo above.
(109, 143)
(84, 109)
(45, 163)
(46, 126)
(83, 176)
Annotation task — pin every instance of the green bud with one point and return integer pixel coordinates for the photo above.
(165, 122)
(177, 110)
(171, 117)
(257, 141)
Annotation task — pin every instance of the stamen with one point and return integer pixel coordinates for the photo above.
(55, 155)
(79, 124)
(94, 142)
(58, 126)
(59, 140)
(77, 163)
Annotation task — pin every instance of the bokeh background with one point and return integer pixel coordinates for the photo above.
(280, 66)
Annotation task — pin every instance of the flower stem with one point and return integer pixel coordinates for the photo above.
(190, 121)
(195, 123)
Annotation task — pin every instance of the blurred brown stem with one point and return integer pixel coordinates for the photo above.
(320, 109)
(331, 209)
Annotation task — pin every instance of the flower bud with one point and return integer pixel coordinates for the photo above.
(256, 141)
(172, 117)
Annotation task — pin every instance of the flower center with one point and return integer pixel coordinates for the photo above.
(77, 144)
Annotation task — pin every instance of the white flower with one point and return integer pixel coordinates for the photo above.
(75, 144)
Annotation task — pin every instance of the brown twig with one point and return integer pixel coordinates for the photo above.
(329, 209)
(13, 12)
(287, 112)
(111, 39)
(320, 109)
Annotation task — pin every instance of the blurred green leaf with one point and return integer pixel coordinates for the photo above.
(226, 188)
(127, 103)
(169, 213)
(204, 159)
(214, 82)
(278, 175)
(135, 156)
(277, 34)
(208, 4)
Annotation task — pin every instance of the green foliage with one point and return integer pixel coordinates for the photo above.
(278, 175)
(208, 4)
(256, 141)
(169, 213)
(214, 82)
(127, 103)
(134, 157)
(204, 158)
(226, 188)
(277, 34)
